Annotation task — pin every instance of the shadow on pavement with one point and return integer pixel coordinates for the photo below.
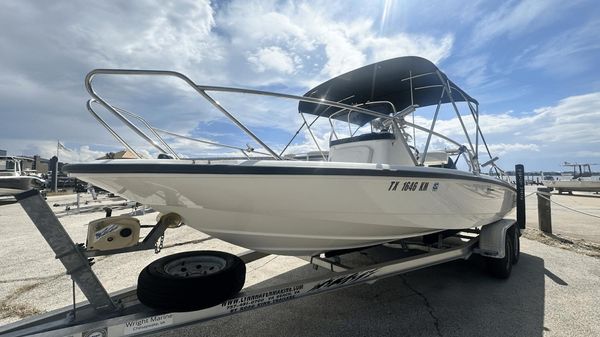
(453, 299)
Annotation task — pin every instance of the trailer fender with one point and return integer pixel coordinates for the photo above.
(492, 239)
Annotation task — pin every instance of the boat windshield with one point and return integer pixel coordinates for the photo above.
(7, 165)
(582, 171)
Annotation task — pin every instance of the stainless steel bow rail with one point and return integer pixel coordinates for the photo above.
(202, 90)
(121, 314)
(396, 119)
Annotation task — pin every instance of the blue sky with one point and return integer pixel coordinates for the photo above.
(532, 65)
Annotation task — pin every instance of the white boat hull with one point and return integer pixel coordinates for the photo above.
(306, 214)
(574, 185)
(11, 185)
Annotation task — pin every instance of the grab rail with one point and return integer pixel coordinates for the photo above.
(201, 89)
(110, 130)
(152, 129)
(156, 132)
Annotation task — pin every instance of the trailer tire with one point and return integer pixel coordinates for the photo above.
(501, 268)
(191, 281)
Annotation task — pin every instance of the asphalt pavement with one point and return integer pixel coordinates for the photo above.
(553, 291)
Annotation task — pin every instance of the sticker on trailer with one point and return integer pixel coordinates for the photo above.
(149, 323)
(105, 231)
(262, 299)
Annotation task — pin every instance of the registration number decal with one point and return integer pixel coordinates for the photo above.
(412, 186)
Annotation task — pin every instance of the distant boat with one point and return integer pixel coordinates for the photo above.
(14, 180)
(581, 180)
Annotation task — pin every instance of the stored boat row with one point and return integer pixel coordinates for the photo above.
(580, 180)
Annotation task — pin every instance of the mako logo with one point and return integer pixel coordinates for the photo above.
(348, 279)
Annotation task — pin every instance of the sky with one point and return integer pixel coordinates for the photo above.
(532, 66)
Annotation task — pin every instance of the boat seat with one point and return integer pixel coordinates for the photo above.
(366, 136)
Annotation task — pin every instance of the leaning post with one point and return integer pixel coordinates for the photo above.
(544, 210)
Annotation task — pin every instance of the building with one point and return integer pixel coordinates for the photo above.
(125, 154)
(40, 164)
(35, 163)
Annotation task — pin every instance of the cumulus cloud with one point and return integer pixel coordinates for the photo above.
(569, 121)
(282, 44)
(320, 43)
(502, 148)
(556, 131)
(272, 58)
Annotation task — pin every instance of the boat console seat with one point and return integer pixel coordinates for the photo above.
(366, 136)
(380, 148)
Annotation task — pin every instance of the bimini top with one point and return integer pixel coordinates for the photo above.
(383, 81)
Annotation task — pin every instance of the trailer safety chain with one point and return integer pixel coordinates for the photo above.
(567, 207)
(159, 244)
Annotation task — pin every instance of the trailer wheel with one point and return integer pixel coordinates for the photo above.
(191, 280)
(516, 244)
(501, 268)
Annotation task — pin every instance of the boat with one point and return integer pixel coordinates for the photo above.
(372, 186)
(14, 180)
(581, 180)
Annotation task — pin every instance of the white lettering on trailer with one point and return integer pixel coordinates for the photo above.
(149, 323)
(262, 299)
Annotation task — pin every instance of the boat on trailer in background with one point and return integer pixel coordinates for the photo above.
(13, 179)
(372, 186)
(581, 180)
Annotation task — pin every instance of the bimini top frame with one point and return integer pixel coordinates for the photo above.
(344, 98)
(580, 170)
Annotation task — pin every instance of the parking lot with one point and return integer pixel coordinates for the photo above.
(553, 291)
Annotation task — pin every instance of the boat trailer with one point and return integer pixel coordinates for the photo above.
(122, 313)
